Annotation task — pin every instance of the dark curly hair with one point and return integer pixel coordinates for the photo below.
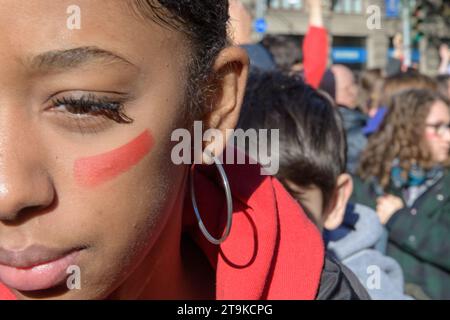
(400, 137)
(205, 25)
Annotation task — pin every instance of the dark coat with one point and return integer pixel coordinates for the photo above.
(419, 235)
(337, 282)
(354, 123)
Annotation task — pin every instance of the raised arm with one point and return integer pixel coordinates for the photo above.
(444, 52)
(315, 45)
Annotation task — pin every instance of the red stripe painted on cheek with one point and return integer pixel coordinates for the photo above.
(93, 171)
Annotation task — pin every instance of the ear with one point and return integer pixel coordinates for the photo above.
(231, 69)
(334, 214)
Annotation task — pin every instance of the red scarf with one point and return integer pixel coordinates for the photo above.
(273, 251)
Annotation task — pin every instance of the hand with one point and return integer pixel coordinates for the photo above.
(315, 13)
(314, 4)
(444, 52)
(240, 26)
(387, 206)
(397, 43)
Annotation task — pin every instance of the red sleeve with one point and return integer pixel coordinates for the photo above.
(6, 294)
(315, 55)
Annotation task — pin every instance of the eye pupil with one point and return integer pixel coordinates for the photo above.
(76, 109)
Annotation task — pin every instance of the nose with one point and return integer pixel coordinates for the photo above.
(22, 193)
(25, 186)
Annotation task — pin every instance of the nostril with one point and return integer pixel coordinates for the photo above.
(30, 210)
(25, 212)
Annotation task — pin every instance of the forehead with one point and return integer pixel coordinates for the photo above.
(343, 73)
(439, 112)
(32, 27)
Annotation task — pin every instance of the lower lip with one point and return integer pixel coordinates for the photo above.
(40, 277)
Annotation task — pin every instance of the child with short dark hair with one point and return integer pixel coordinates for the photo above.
(312, 161)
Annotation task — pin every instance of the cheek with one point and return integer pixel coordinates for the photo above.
(315, 207)
(123, 219)
(96, 170)
(434, 143)
(431, 138)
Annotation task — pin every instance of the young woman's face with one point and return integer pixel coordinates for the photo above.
(437, 133)
(73, 183)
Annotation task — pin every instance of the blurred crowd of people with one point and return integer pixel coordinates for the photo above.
(366, 155)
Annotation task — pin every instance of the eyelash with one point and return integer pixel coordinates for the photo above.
(94, 106)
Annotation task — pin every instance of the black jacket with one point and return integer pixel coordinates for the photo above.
(354, 123)
(339, 283)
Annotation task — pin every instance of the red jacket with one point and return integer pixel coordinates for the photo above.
(315, 55)
(273, 251)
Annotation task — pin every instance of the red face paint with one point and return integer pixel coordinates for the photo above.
(93, 171)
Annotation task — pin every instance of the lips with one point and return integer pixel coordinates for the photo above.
(35, 268)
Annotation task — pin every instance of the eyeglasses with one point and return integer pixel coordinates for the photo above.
(440, 128)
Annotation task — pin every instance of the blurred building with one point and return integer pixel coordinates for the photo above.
(353, 42)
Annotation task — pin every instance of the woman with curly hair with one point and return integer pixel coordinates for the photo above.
(404, 176)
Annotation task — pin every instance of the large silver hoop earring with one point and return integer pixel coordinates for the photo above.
(226, 186)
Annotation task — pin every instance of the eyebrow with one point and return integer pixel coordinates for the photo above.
(75, 57)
